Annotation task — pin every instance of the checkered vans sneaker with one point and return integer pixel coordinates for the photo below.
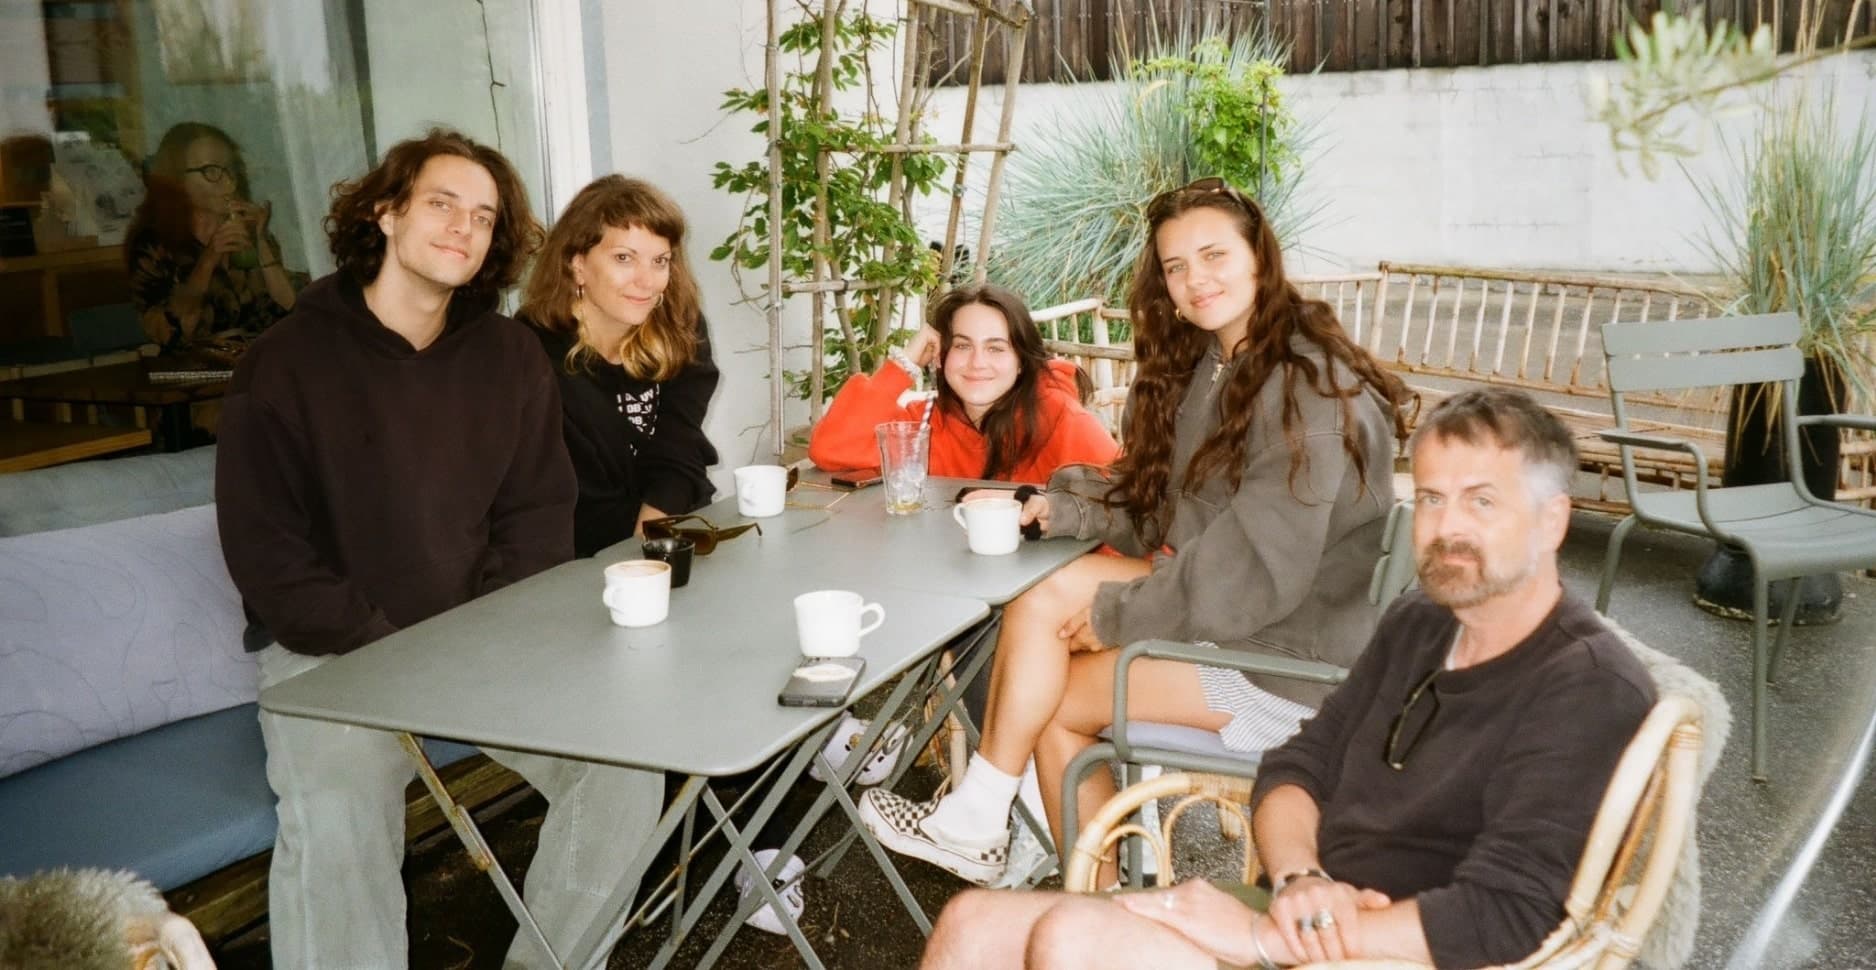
(897, 822)
(793, 899)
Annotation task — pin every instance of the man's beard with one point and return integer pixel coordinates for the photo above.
(1453, 584)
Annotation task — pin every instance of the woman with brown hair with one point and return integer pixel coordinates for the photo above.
(1248, 504)
(201, 260)
(1004, 409)
(616, 308)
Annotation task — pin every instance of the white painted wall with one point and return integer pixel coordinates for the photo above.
(1489, 167)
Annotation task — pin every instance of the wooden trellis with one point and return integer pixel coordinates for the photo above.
(1010, 18)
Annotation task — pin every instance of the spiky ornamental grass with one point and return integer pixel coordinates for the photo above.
(1073, 219)
(1796, 226)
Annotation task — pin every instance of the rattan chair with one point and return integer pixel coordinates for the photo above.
(1627, 865)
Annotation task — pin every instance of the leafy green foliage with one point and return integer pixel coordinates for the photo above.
(868, 238)
(1234, 111)
(1073, 218)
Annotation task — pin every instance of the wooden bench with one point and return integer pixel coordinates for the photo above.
(1445, 328)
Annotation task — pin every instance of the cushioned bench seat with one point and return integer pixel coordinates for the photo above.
(171, 804)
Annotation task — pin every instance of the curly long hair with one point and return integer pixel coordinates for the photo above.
(1169, 349)
(657, 349)
(1009, 425)
(358, 245)
(166, 210)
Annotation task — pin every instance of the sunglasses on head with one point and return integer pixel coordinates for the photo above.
(1163, 204)
(704, 536)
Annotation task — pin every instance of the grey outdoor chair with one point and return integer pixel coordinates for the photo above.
(1134, 744)
(1785, 531)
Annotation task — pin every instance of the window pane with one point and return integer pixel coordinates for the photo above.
(134, 129)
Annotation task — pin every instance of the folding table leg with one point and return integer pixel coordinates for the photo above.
(479, 852)
(597, 942)
(739, 853)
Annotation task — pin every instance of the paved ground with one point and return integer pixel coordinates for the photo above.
(1748, 832)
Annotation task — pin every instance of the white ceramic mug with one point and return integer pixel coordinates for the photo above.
(992, 524)
(638, 592)
(761, 490)
(829, 622)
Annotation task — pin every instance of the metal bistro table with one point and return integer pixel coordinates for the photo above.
(847, 540)
(538, 666)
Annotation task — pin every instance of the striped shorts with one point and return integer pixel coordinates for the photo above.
(1260, 720)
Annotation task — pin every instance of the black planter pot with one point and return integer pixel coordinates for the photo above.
(1755, 455)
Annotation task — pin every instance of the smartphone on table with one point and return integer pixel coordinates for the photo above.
(856, 480)
(821, 681)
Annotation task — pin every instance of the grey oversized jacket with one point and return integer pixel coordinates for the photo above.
(1262, 569)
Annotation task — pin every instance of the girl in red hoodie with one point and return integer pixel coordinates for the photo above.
(1004, 409)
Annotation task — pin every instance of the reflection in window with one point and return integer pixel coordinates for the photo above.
(165, 164)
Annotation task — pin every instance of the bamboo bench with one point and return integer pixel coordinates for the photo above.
(1445, 328)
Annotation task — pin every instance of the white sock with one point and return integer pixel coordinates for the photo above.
(978, 809)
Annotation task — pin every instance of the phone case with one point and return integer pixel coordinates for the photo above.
(821, 682)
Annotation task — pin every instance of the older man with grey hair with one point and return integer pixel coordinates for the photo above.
(1435, 808)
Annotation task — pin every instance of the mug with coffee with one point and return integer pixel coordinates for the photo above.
(991, 524)
(638, 592)
(675, 550)
(830, 622)
(761, 490)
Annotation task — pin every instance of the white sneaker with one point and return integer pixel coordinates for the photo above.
(840, 745)
(793, 899)
(899, 824)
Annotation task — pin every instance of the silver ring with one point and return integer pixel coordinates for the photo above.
(1306, 925)
(1324, 920)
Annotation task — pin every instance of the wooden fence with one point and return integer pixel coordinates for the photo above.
(1072, 40)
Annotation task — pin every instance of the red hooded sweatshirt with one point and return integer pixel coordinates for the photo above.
(1066, 432)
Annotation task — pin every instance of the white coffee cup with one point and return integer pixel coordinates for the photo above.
(829, 622)
(992, 524)
(638, 592)
(761, 490)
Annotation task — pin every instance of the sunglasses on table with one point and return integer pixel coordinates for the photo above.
(1401, 740)
(1164, 203)
(695, 529)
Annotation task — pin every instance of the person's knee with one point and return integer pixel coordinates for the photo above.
(1060, 939)
(966, 914)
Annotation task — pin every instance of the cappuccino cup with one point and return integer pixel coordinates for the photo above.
(991, 524)
(638, 592)
(830, 622)
(761, 490)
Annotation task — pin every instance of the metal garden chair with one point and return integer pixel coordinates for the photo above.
(1785, 531)
(1135, 744)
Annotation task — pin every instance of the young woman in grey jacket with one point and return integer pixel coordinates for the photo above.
(1248, 504)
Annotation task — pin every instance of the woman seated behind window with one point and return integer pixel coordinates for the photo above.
(1004, 409)
(202, 263)
(617, 311)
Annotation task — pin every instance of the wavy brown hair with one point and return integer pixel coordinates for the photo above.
(166, 210)
(657, 349)
(1169, 349)
(1009, 425)
(358, 244)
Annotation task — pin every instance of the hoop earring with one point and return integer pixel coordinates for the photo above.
(1180, 315)
(655, 304)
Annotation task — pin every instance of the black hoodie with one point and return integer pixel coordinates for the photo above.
(363, 485)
